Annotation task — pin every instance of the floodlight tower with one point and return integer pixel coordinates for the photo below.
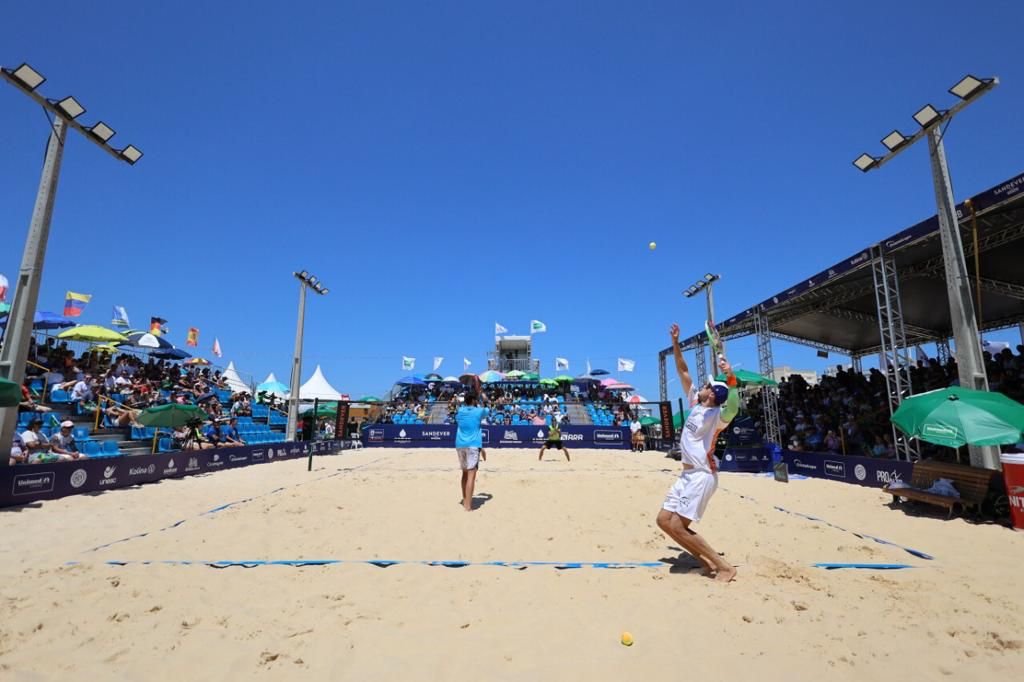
(704, 284)
(933, 124)
(306, 281)
(65, 113)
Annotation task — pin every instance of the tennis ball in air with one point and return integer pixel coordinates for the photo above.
(627, 639)
(652, 246)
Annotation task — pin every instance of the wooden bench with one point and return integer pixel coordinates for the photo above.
(972, 484)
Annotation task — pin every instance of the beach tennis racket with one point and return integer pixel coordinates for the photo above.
(714, 339)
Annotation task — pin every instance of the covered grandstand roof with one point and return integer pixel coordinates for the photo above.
(835, 309)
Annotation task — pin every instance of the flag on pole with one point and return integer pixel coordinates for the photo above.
(193, 337)
(626, 365)
(537, 327)
(408, 363)
(498, 329)
(156, 326)
(74, 303)
(120, 318)
(216, 347)
(3, 289)
(561, 364)
(437, 362)
(465, 364)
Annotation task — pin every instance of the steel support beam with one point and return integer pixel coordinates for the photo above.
(894, 358)
(769, 394)
(662, 377)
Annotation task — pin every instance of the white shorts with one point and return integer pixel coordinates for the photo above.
(690, 494)
(469, 458)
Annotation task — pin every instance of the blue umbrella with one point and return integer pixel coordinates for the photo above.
(411, 381)
(44, 320)
(170, 354)
(598, 372)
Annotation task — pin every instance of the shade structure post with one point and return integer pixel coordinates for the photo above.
(769, 394)
(970, 362)
(663, 377)
(26, 295)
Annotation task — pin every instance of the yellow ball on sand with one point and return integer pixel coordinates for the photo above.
(627, 639)
(652, 246)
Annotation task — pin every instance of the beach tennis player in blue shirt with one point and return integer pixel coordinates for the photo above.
(468, 443)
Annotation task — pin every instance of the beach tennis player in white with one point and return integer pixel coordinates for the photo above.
(468, 443)
(712, 407)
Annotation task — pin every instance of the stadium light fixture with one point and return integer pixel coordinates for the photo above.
(894, 140)
(102, 131)
(131, 154)
(927, 115)
(26, 76)
(865, 162)
(70, 107)
(969, 86)
(63, 114)
(710, 278)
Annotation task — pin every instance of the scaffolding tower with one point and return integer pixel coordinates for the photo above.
(769, 394)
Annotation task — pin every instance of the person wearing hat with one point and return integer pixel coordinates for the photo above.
(713, 406)
(63, 442)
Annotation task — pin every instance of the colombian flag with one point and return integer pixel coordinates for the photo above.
(74, 304)
(193, 337)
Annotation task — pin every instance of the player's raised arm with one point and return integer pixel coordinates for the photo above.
(681, 368)
(732, 403)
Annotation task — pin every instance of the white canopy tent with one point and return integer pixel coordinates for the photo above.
(234, 381)
(317, 386)
(272, 386)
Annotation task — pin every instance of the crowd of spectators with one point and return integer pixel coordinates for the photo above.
(120, 388)
(848, 412)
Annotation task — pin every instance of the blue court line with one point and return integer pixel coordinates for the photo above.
(877, 567)
(863, 536)
(228, 505)
(385, 563)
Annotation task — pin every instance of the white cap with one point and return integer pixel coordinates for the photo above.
(67, 424)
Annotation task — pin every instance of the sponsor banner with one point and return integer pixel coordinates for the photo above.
(756, 459)
(742, 431)
(668, 430)
(865, 471)
(27, 483)
(443, 436)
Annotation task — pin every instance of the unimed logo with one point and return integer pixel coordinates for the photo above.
(607, 436)
(28, 484)
(837, 469)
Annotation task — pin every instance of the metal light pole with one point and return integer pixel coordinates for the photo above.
(14, 352)
(970, 361)
(305, 280)
(704, 285)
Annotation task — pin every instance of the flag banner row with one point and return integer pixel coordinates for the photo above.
(536, 327)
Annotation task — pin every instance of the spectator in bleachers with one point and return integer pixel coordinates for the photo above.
(63, 442)
(211, 434)
(230, 434)
(27, 404)
(19, 453)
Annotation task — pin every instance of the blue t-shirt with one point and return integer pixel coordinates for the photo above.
(468, 419)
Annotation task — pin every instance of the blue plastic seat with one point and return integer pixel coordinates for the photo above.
(81, 432)
(110, 448)
(59, 395)
(163, 445)
(91, 448)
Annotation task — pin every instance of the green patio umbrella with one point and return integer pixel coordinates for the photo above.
(678, 418)
(369, 399)
(548, 382)
(171, 415)
(515, 374)
(744, 376)
(531, 376)
(92, 332)
(958, 416)
(647, 421)
(563, 377)
(10, 393)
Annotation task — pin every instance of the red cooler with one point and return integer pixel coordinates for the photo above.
(1013, 474)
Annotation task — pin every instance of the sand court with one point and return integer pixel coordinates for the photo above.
(954, 615)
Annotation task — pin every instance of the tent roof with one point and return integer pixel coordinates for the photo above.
(835, 310)
(234, 381)
(317, 386)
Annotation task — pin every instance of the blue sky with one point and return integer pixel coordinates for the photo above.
(442, 166)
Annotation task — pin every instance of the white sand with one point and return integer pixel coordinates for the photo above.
(957, 617)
